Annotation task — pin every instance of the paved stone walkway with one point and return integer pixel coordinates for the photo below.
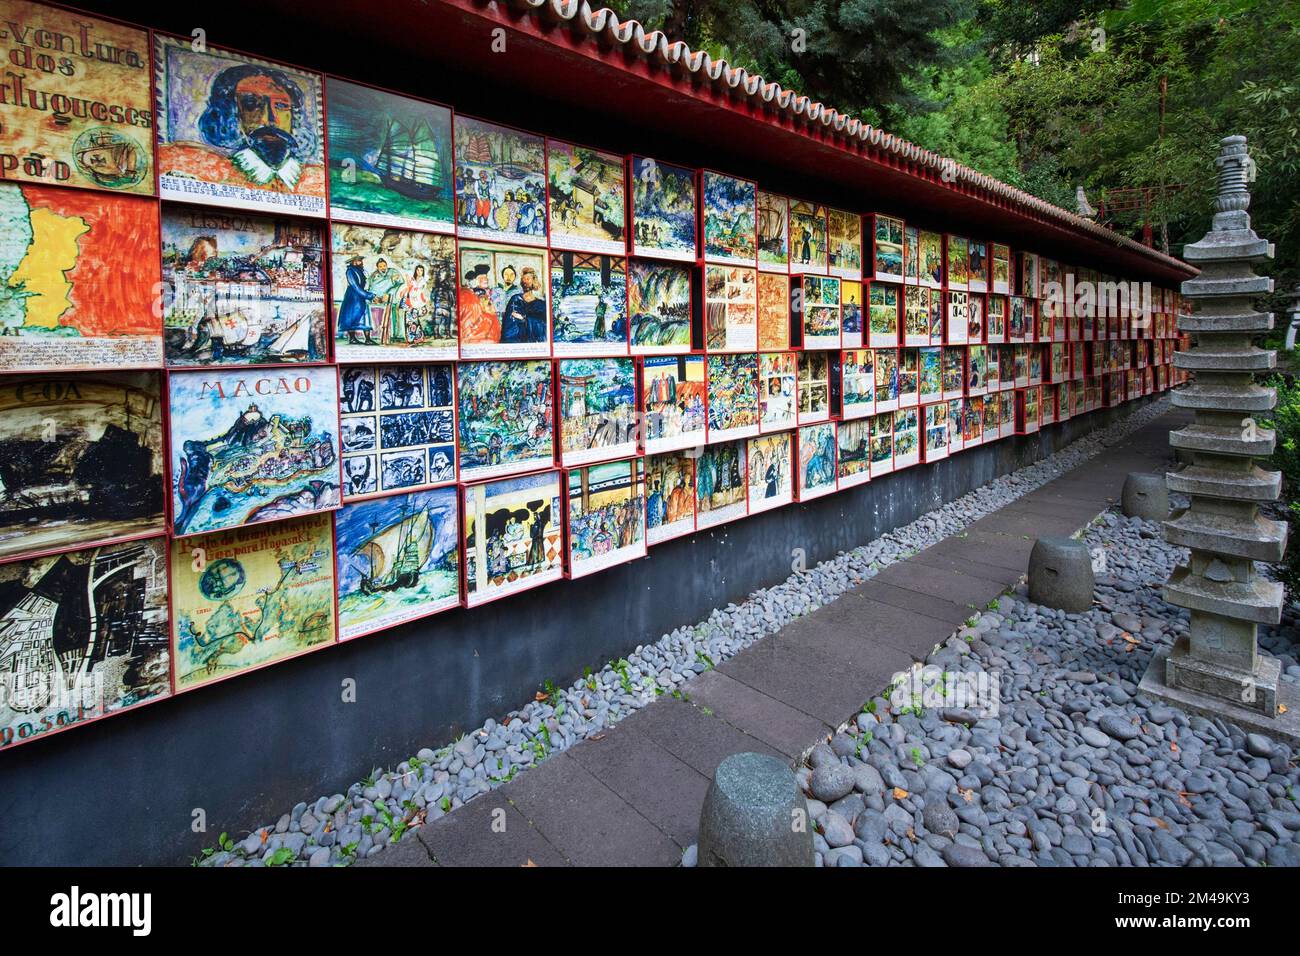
(632, 795)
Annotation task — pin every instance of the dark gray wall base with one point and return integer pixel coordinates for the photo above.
(124, 791)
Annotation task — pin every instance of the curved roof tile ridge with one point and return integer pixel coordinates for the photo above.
(602, 21)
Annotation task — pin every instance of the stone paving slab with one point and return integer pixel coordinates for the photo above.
(956, 587)
(854, 632)
(690, 735)
(923, 605)
(800, 676)
(487, 832)
(586, 821)
(662, 788)
(1007, 577)
(778, 724)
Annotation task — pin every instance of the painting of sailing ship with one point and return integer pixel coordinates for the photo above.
(398, 559)
(659, 307)
(588, 303)
(606, 515)
(390, 159)
(76, 143)
(505, 418)
(71, 297)
(241, 289)
(252, 446)
(729, 209)
(772, 221)
(512, 536)
(394, 294)
(500, 183)
(248, 597)
(397, 428)
(663, 210)
(587, 197)
(80, 460)
(82, 634)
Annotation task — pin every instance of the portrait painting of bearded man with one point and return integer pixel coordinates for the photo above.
(238, 132)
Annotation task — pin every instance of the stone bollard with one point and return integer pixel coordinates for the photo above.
(755, 815)
(1145, 496)
(1060, 574)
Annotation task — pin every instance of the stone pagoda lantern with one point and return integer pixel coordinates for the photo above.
(1217, 670)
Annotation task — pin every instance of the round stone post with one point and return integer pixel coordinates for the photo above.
(1218, 670)
(755, 815)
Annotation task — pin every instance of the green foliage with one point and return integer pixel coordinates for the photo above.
(1286, 459)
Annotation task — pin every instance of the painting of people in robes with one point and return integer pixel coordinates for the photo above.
(252, 445)
(659, 307)
(83, 634)
(931, 262)
(916, 315)
(80, 460)
(728, 206)
(398, 559)
(807, 238)
(501, 302)
(771, 471)
(512, 536)
(721, 480)
(587, 198)
(500, 183)
(397, 427)
(505, 418)
(816, 472)
(663, 210)
(773, 232)
(237, 132)
(588, 303)
(390, 159)
(670, 496)
(248, 597)
(886, 380)
(394, 294)
(673, 394)
(241, 289)
(598, 410)
(606, 515)
(844, 243)
(71, 297)
(853, 454)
